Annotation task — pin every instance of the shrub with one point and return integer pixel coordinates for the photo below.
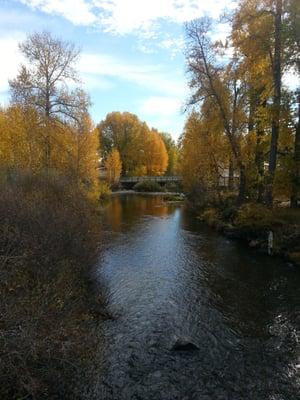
(227, 199)
(211, 217)
(49, 235)
(173, 197)
(147, 186)
(173, 187)
(104, 191)
(255, 217)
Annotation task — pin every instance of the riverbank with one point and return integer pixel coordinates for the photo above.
(276, 231)
(167, 196)
(51, 313)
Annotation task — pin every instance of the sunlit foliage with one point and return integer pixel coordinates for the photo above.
(238, 94)
(113, 167)
(142, 150)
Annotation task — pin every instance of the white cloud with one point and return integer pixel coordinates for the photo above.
(79, 12)
(161, 106)
(128, 16)
(173, 45)
(11, 59)
(91, 82)
(152, 77)
(164, 113)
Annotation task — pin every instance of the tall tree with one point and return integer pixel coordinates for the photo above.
(43, 82)
(113, 166)
(277, 73)
(172, 151)
(209, 78)
(251, 36)
(155, 154)
(292, 25)
(142, 150)
(124, 132)
(204, 152)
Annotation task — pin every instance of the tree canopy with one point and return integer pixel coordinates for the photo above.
(142, 150)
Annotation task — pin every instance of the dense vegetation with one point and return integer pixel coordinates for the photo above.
(147, 186)
(245, 123)
(49, 230)
(50, 313)
(143, 151)
(240, 149)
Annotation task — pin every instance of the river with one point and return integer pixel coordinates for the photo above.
(168, 277)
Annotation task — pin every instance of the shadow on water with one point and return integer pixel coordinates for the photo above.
(169, 277)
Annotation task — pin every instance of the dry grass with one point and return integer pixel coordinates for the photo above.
(49, 326)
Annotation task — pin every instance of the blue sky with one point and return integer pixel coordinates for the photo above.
(131, 50)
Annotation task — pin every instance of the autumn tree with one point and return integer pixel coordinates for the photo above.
(265, 34)
(172, 151)
(42, 83)
(277, 82)
(204, 153)
(155, 154)
(292, 31)
(251, 37)
(48, 125)
(123, 131)
(209, 78)
(113, 167)
(142, 151)
(21, 142)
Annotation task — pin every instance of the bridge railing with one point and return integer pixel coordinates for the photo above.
(128, 179)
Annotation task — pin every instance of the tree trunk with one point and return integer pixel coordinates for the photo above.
(47, 135)
(259, 154)
(276, 104)
(242, 185)
(296, 169)
(259, 159)
(230, 176)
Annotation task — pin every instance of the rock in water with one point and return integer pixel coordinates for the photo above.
(184, 344)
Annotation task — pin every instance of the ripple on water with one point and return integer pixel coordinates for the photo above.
(169, 278)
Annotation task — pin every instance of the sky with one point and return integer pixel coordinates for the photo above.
(132, 51)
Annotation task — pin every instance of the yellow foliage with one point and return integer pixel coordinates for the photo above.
(204, 152)
(156, 156)
(113, 166)
(74, 149)
(142, 151)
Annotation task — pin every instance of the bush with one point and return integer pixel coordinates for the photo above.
(227, 206)
(147, 186)
(255, 217)
(49, 236)
(104, 191)
(173, 187)
(211, 217)
(173, 197)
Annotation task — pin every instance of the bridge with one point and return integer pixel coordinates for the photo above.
(132, 180)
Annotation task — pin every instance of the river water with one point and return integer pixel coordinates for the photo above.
(168, 277)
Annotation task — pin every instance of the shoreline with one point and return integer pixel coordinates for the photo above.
(118, 192)
(255, 232)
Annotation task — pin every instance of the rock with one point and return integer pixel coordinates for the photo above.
(254, 243)
(184, 344)
(294, 257)
(157, 374)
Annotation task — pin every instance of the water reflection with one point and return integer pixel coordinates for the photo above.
(124, 210)
(168, 277)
